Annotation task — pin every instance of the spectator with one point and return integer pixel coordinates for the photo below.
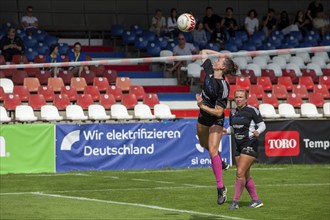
(75, 56)
(29, 21)
(321, 23)
(314, 7)
(284, 24)
(183, 48)
(302, 22)
(251, 22)
(219, 36)
(199, 35)
(54, 57)
(210, 20)
(172, 26)
(158, 23)
(229, 22)
(11, 44)
(269, 22)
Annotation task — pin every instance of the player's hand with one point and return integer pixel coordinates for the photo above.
(199, 100)
(224, 131)
(256, 133)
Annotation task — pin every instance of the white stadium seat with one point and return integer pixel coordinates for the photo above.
(287, 111)
(326, 109)
(309, 110)
(97, 112)
(119, 111)
(7, 84)
(75, 112)
(24, 113)
(143, 111)
(4, 115)
(50, 113)
(268, 111)
(163, 111)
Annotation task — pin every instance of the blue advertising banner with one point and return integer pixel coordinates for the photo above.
(132, 146)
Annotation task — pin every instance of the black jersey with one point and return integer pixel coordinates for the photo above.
(244, 122)
(215, 91)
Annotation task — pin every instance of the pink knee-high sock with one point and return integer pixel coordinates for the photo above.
(239, 187)
(217, 170)
(251, 188)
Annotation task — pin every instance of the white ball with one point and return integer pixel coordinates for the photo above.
(186, 22)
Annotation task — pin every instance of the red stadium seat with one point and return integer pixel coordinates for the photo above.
(269, 98)
(232, 90)
(249, 74)
(294, 99)
(2, 93)
(280, 91)
(102, 83)
(66, 75)
(138, 91)
(253, 100)
(115, 91)
(123, 83)
(78, 83)
(22, 91)
(286, 81)
(32, 83)
(98, 70)
(291, 74)
(111, 75)
(18, 77)
(257, 90)
(2, 60)
(307, 81)
(107, 100)
(151, 99)
(57, 83)
(88, 75)
(40, 58)
(61, 101)
(243, 83)
(2, 74)
(229, 78)
(19, 59)
(32, 72)
(9, 72)
(269, 73)
(84, 100)
(10, 101)
(129, 100)
(323, 90)
(311, 73)
(265, 82)
(70, 92)
(47, 92)
(300, 90)
(36, 101)
(325, 80)
(316, 99)
(93, 91)
(43, 76)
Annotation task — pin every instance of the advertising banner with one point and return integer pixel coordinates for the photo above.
(295, 142)
(131, 146)
(27, 148)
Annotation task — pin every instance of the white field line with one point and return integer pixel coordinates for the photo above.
(155, 181)
(185, 186)
(57, 174)
(138, 205)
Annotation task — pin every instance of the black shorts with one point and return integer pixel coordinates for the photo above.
(249, 147)
(208, 120)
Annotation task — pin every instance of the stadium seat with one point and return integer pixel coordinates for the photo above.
(268, 111)
(115, 91)
(151, 99)
(261, 63)
(279, 91)
(123, 83)
(40, 58)
(89, 76)
(47, 92)
(84, 100)
(75, 113)
(309, 110)
(2, 94)
(19, 59)
(25, 113)
(97, 112)
(232, 90)
(163, 111)
(18, 77)
(325, 80)
(7, 85)
(265, 82)
(297, 60)
(98, 70)
(323, 90)
(286, 82)
(322, 54)
(143, 111)
(22, 91)
(307, 81)
(295, 67)
(107, 100)
(319, 61)
(43, 76)
(32, 72)
(243, 83)
(102, 83)
(111, 75)
(140, 44)
(294, 99)
(326, 109)
(10, 101)
(241, 62)
(66, 75)
(300, 90)
(93, 91)
(316, 99)
(138, 91)
(55, 83)
(257, 90)
(255, 67)
(153, 48)
(32, 83)
(291, 73)
(119, 111)
(311, 73)
(193, 71)
(36, 101)
(269, 98)
(229, 78)
(61, 101)
(2, 60)
(50, 113)
(317, 69)
(286, 110)
(78, 83)
(4, 118)
(248, 73)
(253, 100)
(70, 92)
(305, 56)
(279, 60)
(129, 100)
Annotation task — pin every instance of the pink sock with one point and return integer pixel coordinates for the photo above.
(251, 188)
(217, 170)
(239, 187)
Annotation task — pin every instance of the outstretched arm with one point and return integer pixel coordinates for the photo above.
(206, 52)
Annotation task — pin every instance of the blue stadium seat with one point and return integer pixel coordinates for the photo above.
(30, 53)
(237, 41)
(140, 44)
(260, 35)
(63, 48)
(278, 34)
(39, 35)
(170, 46)
(41, 48)
(275, 41)
(241, 35)
(297, 35)
(162, 42)
(20, 33)
(117, 30)
(49, 40)
(29, 42)
(137, 29)
(213, 46)
(149, 35)
(249, 46)
(188, 36)
(153, 49)
(231, 47)
(313, 34)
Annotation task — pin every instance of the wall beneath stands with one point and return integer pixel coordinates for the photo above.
(96, 15)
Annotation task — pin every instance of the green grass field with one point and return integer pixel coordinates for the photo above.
(288, 192)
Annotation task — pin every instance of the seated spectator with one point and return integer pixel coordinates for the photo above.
(210, 19)
(219, 36)
(75, 56)
(314, 7)
(11, 44)
(183, 48)
(158, 23)
(172, 26)
(54, 57)
(229, 22)
(199, 35)
(269, 22)
(284, 24)
(302, 22)
(321, 23)
(251, 22)
(29, 21)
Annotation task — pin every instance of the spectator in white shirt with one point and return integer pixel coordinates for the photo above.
(29, 21)
(158, 23)
(251, 23)
(172, 26)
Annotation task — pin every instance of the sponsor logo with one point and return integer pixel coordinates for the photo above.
(316, 144)
(70, 139)
(282, 143)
